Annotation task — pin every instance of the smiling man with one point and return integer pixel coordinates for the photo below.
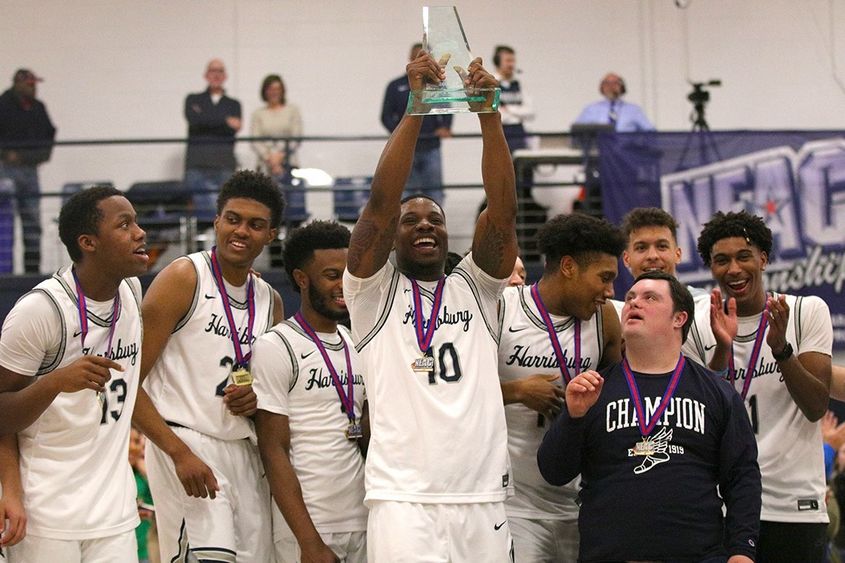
(652, 246)
(203, 313)
(552, 331)
(652, 437)
(310, 387)
(776, 349)
(437, 467)
(70, 361)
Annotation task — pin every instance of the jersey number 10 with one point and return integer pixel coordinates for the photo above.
(450, 371)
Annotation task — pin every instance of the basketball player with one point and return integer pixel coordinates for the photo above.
(552, 331)
(310, 387)
(652, 437)
(203, 313)
(652, 246)
(776, 350)
(518, 275)
(437, 468)
(69, 371)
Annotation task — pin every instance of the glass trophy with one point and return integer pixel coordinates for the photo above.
(444, 39)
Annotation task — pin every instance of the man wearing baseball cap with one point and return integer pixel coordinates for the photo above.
(26, 136)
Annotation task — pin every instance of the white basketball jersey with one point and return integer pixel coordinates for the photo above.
(186, 384)
(292, 379)
(74, 461)
(789, 446)
(439, 437)
(525, 350)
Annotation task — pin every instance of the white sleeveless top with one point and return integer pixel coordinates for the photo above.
(74, 461)
(186, 384)
(439, 438)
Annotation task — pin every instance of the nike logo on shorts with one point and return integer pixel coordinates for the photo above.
(497, 527)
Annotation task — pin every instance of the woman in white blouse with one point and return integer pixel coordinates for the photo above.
(276, 119)
(278, 157)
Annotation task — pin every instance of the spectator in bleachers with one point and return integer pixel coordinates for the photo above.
(277, 119)
(26, 134)
(427, 171)
(514, 105)
(277, 158)
(624, 116)
(213, 120)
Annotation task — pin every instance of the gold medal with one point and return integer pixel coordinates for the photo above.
(423, 364)
(241, 376)
(644, 448)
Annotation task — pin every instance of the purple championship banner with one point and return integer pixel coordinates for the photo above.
(795, 180)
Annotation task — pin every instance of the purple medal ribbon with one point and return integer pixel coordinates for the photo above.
(550, 329)
(755, 354)
(424, 337)
(647, 427)
(241, 359)
(82, 307)
(347, 399)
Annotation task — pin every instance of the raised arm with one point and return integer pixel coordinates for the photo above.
(807, 376)
(373, 235)
(559, 457)
(166, 302)
(494, 246)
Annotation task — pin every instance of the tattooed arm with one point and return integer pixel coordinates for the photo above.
(372, 237)
(494, 246)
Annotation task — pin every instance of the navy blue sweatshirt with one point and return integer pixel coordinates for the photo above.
(661, 506)
(211, 142)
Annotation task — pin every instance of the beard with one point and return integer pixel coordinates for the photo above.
(320, 304)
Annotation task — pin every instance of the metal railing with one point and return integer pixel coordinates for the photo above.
(334, 185)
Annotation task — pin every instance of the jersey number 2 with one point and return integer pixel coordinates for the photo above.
(225, 362)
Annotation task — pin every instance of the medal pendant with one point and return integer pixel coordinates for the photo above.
(241, 376)
(644, 447)
(354, 431)
(424, 364)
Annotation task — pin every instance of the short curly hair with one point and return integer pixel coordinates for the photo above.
(301, 243)
(250, 184)
(81, 215)
(726, 225)
(641, 217)
(579, 236)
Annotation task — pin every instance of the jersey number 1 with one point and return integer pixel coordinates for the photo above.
(447, 375)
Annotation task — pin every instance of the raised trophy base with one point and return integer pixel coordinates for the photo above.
(440, 101)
